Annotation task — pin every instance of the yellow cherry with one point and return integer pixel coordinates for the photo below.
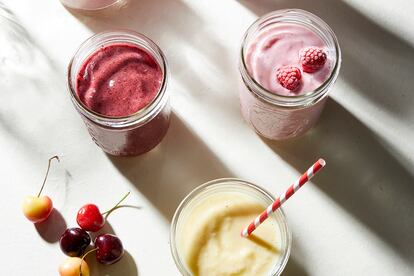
(74, 266)
(38, 208)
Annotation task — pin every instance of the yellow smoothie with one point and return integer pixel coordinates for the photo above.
(210, 241)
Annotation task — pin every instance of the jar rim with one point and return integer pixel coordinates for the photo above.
(99, 8)
(280, 218)
(105, 38)
(294, 16)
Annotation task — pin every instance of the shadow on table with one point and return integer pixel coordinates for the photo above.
(293, 268)
(107, 229)
(169, 172)
(361, 175)
(125, 267)
(51, 229)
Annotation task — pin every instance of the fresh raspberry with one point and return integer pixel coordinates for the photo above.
(312, 59)
(289, 77)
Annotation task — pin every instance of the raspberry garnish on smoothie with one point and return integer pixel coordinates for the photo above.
(278, 54)
(289, 77)
(312, 59)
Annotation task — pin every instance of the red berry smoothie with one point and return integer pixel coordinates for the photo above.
(119, 88)
(119, 80)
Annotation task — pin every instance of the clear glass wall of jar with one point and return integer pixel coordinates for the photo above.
(202, 195)
(130, 135)
(279, 117)
(89, 5)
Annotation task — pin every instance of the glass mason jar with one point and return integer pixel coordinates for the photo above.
(89, 5)
(201, 194)
(279, 117)
(130, 135)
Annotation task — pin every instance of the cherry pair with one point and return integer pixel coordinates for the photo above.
(74, 241)
(108, 250)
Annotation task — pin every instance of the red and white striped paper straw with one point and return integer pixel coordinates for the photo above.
(282, 199)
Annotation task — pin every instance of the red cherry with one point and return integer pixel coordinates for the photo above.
(90, 218)
(109, 249)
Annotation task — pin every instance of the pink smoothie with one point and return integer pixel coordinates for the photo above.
(279, 46)
(119, 80)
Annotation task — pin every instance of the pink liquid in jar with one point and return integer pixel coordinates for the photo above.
(274, 111)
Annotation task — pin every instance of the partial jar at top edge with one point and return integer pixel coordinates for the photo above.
(89, 5)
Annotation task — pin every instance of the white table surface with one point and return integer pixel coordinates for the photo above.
(356, 218)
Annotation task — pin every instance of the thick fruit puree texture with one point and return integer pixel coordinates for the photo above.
(211, 241)
(279, 46)
(118, 80)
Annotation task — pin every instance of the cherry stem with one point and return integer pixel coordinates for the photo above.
(47, 173)
(116, 206)
(83, 258)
